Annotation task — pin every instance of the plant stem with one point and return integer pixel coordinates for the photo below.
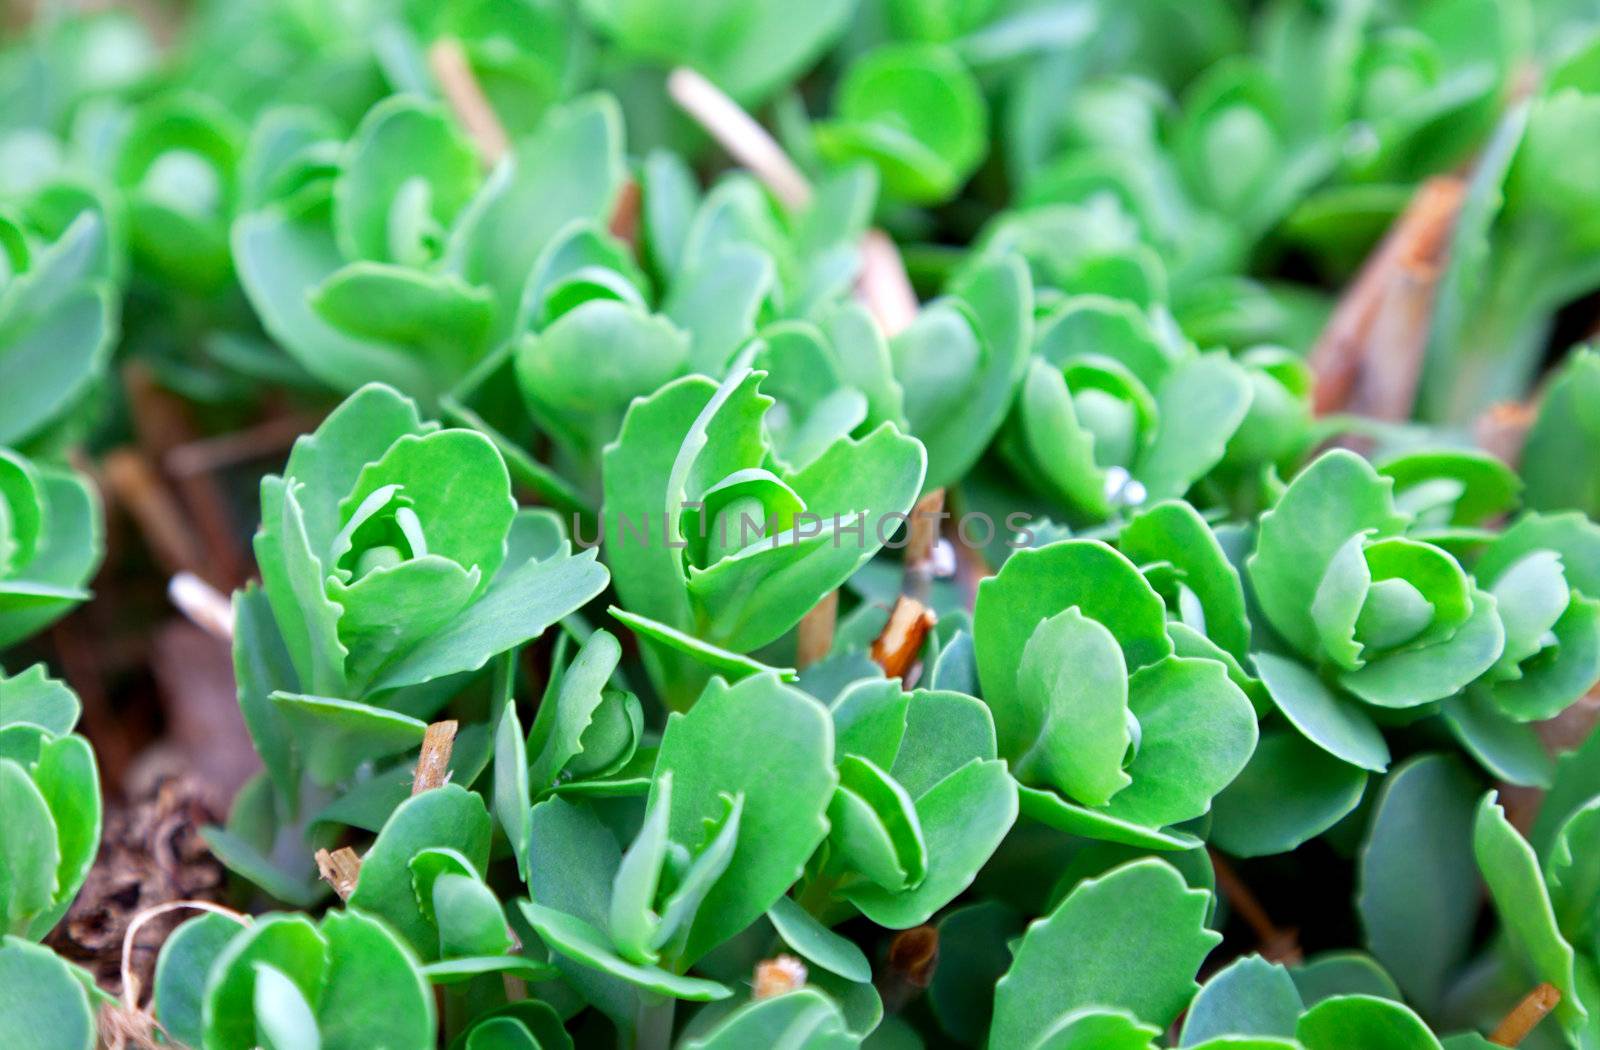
(653, 1026)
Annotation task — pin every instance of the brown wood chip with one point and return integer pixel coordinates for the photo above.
(339, 869)
(433, 767)
(896, 648)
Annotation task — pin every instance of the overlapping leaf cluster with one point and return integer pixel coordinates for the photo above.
(1204, 636)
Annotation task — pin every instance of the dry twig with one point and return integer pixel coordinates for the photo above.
(815, 634)
(1277, 944)
(1369, 356)
(1526, 1015)
(433, 766)
(448, 61)
(204, 606)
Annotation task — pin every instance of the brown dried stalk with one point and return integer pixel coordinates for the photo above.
(815, 634)
(1526, 1015)
(1277, 944)
(922, 536)
(433, 767)
(1369, 356)
(448, 61)
(1502, 430)
(131, 480)
(896, 647)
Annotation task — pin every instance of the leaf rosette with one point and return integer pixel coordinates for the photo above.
(392, 257)
(50, 793)
(715, 546)
(284, 981)
(51, 543)
(392, 556)
(1371, 619)
(1116, 409)
(1111, 734)
(922, 804)
(1544, 572)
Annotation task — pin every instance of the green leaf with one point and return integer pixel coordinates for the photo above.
(1418, 894)
(1197, 733)
(576, 939)
(1324, 717)
(557, 734)
(1517, 888)
(1573, 873)
(1088, 1029)
(1175, 533)
(1510, 751)
(32, 851)
(1559, 462)
(1130, 940)
(405, 175)
(1200, 405)
(963, 819)
(43, 1006)
(34, 698)
(335, 737)
(1342, 973)
(1039, 583)
(280, 258)
(375, 994)
(445, 817)
(730, 665)
(57, 326)
(517, 607)
(569, 168)
(289, 944)
(187, 956)
(804, 1017)
(633, 922)
(1072, 714)
(284, 1020)
(1336, 497)
(1250, 996)
(914, 111)
(818, 944)
(512, 801)
(1051, 809)
(1360, 1022)
(960, 363)
(69, 780)
(1289, 792)
(774, 745)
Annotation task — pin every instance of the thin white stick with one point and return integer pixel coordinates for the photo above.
(130, 982)
(205, 606)
(739, 133)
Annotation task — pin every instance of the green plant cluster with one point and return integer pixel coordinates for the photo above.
(611, 428)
